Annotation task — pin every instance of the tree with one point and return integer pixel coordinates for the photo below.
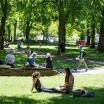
(101, 39)
(3, 20)
(61, 24)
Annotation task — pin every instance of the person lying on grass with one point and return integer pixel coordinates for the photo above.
(37, 84)
(65, 88)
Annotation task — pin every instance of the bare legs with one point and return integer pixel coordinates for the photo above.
(82, 61)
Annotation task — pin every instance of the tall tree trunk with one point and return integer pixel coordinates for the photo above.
(2, 34)
(44, 37)
(92, 35)
(1, 39)
(62, 30)
(43, 20)
(88, 35)
(3, 21)
(15, 28)
(27, 30)
(101, 38)
(8, 32)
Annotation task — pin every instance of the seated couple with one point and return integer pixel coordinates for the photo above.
(65, 88)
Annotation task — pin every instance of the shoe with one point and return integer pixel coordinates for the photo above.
(75, 69)
(86, 69)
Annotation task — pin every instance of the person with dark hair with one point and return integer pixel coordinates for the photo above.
(62, 48)
(1, 62)
(65, 88)
(19, 44)
(68, 84)
(31, 59)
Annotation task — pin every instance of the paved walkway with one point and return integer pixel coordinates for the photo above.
(83, 71)
(90, 71)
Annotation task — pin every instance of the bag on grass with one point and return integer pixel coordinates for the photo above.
(83, 93)
(78, 93)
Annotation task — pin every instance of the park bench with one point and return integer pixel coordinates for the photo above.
(4, 67)
(26, 71)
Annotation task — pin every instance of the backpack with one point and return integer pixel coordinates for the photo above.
(84, 54)
(83, 93)
(78, 93)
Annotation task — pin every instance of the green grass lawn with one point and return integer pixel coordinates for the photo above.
(16, 90)
(72, 52)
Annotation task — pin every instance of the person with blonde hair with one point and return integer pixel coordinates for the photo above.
(64, 88)
(37, 84)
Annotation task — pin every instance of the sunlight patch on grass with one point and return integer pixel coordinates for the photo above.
(17, 90)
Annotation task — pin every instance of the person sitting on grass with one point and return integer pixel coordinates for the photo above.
(49, 61)
(10, 58)
(65, 88)
(37, 84)
(31, 60)
(68, 84)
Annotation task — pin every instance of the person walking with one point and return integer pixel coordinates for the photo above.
(82, 55)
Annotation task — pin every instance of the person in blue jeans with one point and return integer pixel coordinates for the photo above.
(31, 60)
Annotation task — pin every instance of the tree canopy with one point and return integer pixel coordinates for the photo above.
(27, 18)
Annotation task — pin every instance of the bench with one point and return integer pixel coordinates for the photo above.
(4, 67)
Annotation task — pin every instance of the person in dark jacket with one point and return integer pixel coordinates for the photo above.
(62, 48)
(1, 62)
(49, 61)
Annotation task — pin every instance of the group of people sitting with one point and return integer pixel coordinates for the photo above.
(31, 56)
(30, 61)
(66, 87)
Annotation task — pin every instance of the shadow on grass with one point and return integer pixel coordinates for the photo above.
(69, 99)
(16, 100)
(62, 99)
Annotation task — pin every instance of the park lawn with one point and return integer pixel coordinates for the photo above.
(68, 60)
(16, 90)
